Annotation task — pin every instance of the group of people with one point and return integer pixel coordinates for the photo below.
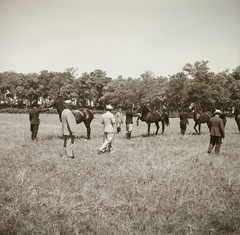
(216, 129)
(109, 120)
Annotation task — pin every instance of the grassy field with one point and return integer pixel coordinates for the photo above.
(151, 185)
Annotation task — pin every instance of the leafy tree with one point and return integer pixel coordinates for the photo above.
(200, 89)
(236, 73)
(9, 81)
(29, 88)
(177, 91)
(99, 80)
(58, 82)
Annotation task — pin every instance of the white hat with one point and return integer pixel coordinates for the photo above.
(217, 111)
(109, 107)
(68, 102)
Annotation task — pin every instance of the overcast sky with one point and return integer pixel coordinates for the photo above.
(121, 37)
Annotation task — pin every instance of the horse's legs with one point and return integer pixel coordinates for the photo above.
(149, 128)
(163, 127)
(157, 125)
(195, 125)
(238, 123)
(199, 128)
(88, 129)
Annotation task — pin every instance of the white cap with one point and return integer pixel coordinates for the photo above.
(217, 111)
(109, 107)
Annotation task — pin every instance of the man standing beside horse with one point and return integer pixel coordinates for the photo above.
(129, 121)
(35, 121)
(217, 132)
(68, 129)
(183, 121)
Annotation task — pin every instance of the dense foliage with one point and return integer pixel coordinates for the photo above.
(195, 83)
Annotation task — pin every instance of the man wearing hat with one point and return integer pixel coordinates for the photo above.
(108, 121)
(68, 129)
(217, 132)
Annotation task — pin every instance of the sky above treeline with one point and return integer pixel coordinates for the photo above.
(121, 37)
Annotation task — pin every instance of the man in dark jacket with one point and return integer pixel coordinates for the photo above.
(183, 121)
(35, 121)
(217, 132)
(129, 121)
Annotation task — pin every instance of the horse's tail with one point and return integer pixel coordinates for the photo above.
(166, 118)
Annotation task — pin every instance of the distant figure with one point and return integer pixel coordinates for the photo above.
(217, 132)
(108, 121)
(119, 120)
(68, 129)
(35, 121)
(129, 121)
(183, 121)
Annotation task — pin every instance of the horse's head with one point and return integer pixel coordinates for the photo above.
(138, 109)
(56, 102)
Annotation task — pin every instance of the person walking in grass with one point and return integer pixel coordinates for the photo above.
(119, 120)
(35, 121)
(108, 121)
(217, 132)
(68, 129)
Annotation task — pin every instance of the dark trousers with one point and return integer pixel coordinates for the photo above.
(183, 128)
(215, 141)
(34, 130)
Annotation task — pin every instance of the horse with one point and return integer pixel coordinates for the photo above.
(203, 117)
(81, 115)
(149, 116)
(237, 116)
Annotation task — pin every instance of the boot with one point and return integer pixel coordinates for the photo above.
(127, 135)
(32, 136)
(130, 133)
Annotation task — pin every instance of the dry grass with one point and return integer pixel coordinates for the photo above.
(151, 185)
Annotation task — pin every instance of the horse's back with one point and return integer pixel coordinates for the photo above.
(203, 117)
(79, 115)
(155, 117)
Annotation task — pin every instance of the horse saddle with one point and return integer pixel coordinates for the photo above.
(81, 114)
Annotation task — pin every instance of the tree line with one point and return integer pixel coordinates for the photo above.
(195, 83)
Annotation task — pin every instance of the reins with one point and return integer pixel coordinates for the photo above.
(44, 116)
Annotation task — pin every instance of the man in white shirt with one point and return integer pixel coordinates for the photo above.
(108, 121)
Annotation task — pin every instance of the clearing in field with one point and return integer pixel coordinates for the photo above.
(151, 185)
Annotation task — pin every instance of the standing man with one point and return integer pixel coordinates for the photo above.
(108, 121)
(217, 132)
(119, 120)
(129, 121)
(35, 121)
(183, 121)
(68, 129)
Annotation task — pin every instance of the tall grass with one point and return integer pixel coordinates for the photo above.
(151, 185)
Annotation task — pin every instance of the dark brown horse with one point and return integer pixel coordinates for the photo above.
(81, 115)
(203, 117)
(149, 116)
